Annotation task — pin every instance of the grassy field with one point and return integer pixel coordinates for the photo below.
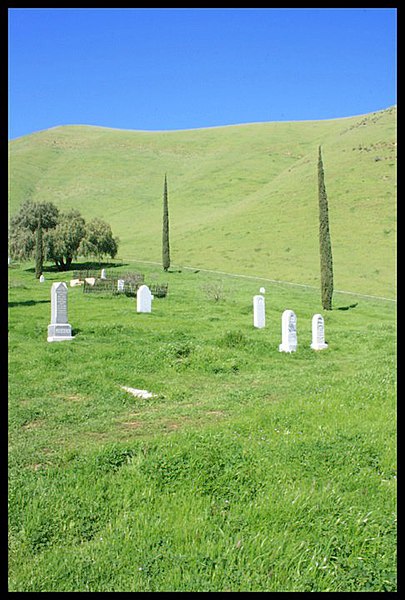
(242, 199)
(248, 470)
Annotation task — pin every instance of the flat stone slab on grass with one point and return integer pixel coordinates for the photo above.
(138, 393)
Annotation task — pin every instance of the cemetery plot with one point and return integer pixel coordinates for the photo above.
(100, 286)
(127, 284)
(82, 275)
(159, 290)
(132, 281)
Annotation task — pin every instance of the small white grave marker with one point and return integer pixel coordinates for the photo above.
(259, 311)
(41, 279)
(103, 274)
(59, 329)
(138, 393)
(318, 333)
(288, 332)
(144, 300)
(120, 285)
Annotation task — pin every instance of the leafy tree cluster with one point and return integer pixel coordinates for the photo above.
(41, 231)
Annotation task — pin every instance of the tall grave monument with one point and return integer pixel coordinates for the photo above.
(59, 328)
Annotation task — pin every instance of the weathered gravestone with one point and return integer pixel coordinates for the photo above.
(259, 311)
(288, 332)
(318, 333)
(144, 299)
(120, 285)
(59, 329)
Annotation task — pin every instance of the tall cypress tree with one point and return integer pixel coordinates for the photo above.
(39, 252)
(325, 247)
(165, 236)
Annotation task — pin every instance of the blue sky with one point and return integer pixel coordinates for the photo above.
(184, 68)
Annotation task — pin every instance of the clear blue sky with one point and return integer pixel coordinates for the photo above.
(164, 69)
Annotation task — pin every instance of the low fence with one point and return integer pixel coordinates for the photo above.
(128, 286)
(86, 273)
(100, 286)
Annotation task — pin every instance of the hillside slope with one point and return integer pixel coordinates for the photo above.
(242, 199)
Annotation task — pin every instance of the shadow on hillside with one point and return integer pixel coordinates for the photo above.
(80, 266)
(347, 307)
(28, 303)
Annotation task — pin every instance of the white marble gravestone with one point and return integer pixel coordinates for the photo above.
(41, 279)
(259, 311)
(103, 274)
(288, 332)
(144, 299)
(59, 329)
(318, 333)
(120, 285)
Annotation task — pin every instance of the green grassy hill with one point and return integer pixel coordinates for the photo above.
(248, 470)
(242, 199)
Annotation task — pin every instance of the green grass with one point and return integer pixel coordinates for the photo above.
(242, 199)
(249, 470)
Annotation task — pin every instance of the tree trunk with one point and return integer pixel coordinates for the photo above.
(39, 252)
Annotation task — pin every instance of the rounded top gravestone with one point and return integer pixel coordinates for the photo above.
(288, 332)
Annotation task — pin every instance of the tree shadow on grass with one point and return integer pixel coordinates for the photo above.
(27, 303)
(80, 266)
(347, 307)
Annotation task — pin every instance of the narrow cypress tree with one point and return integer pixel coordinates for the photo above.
(325, 246)
(165, 236)
(39, 252)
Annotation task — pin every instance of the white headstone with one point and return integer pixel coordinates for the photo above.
(120, 285)
(288, 332)
(144, 299)
(103, 274)
(259, 312)
(262, 290)
(41, 279)
(318, 333)
(9, 260)
(59, 329)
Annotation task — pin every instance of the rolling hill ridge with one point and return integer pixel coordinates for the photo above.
(242, 198)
